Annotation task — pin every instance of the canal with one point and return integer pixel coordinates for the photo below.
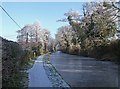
(81, 71)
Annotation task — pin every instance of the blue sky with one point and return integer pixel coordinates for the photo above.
(28, 12)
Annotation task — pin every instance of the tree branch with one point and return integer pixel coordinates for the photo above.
(115, 6)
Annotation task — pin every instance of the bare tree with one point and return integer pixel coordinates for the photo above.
(33, 35)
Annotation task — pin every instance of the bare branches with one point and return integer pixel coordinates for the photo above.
(32, 35)
(116, 7)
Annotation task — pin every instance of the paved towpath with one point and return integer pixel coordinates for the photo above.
(37, 75)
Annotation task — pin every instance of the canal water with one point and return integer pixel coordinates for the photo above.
(81, 71)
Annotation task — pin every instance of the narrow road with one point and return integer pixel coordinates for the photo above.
(81, 71)
(37, 75)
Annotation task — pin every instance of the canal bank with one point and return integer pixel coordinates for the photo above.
(53, 75)
(44, 75)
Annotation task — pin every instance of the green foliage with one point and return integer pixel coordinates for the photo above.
(107, 52)
(14, 60)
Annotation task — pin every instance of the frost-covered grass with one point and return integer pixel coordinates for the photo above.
(53, 75)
